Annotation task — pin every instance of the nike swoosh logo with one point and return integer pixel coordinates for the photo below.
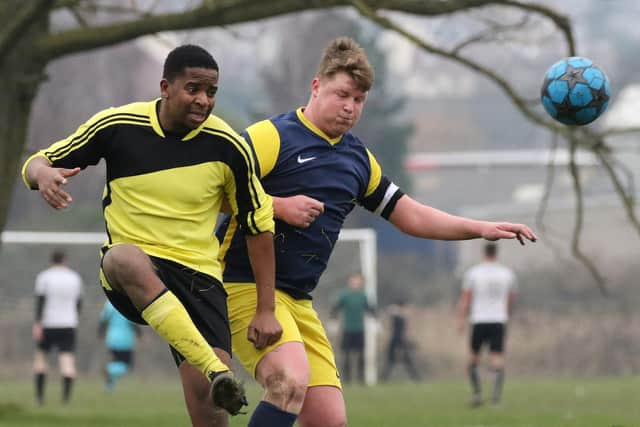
(304, 160)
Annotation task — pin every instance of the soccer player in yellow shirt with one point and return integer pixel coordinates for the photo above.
(170, 164)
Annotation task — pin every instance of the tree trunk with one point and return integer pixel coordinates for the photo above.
(21, 75)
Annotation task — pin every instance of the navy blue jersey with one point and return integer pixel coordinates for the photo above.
(296, 158)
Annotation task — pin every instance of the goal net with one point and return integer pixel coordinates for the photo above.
(25, 253)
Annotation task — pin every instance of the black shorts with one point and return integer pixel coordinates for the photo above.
(124, 356)
(202, 296)
(488, 333)
(353, 341)
(64, 339)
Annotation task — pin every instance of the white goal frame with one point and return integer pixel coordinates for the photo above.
(366, 238)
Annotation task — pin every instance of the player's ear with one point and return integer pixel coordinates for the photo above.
(164, 89)
(315, 86)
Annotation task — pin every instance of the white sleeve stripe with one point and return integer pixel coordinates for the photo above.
(391, 190)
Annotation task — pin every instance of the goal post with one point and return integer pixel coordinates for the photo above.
(366, 239)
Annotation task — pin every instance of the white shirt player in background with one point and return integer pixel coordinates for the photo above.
(58, 301)
(488, 293)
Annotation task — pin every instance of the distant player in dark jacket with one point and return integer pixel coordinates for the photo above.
(353, 304)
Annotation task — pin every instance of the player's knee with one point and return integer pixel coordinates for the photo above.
(67, 365)
(121, 265)
(40, 364)
(286, 390)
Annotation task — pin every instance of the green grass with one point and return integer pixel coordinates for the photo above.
(610, 402)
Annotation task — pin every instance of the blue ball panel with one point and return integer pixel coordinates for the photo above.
(557, 69)
(586, 115)
(578, 62)
(594, 76)
(558, 90)
(580, 95)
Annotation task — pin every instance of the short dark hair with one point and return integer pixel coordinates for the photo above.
(491, 249)
(58, 256)
(185, 56)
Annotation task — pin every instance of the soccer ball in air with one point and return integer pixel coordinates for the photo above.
(575, 91)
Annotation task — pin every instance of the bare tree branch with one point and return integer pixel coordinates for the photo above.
(28, 13)
(544, 201)
(626, 196)
(617, 131)
(61, 4)
(562, 21)
(569, 133)
(548, 184)
(579, 219)
(208, 14)
(493, 33)
(520, 103)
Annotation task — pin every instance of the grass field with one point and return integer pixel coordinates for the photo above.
(527, 403)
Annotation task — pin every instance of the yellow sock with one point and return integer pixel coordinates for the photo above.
(168, 317)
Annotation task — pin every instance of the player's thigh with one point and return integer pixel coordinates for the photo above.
(323, 407)
(497, 345)
(241, 302)
(479, 336)
(318, 347)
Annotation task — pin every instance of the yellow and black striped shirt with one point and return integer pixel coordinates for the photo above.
(164, 193)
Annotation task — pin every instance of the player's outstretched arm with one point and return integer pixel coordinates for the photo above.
(49, 181)
(416, 219)
(264, 328)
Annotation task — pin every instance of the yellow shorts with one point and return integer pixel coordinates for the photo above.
(300, 323)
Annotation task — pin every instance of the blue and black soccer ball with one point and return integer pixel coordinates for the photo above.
(575, 91)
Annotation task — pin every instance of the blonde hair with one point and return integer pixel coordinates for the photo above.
(345, 55)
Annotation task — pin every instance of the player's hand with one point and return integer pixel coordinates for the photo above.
(50, 185)
(36, 332)
(264, 330)
(300, 211)
(506, 230)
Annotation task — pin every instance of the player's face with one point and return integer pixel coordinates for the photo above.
(189, 99)
(339, 103)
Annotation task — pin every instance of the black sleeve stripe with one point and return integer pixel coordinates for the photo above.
(79, 140)
(391, 204)
(253, 227)
(383, 199)
(134, 117)
(388, 194)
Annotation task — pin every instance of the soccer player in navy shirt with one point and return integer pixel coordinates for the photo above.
(317, 171)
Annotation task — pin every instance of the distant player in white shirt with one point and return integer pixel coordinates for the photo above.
(58, 302)
(488, 293)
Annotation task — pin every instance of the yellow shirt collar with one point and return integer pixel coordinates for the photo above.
(314, 129)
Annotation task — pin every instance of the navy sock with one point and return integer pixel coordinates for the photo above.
(269, 415)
